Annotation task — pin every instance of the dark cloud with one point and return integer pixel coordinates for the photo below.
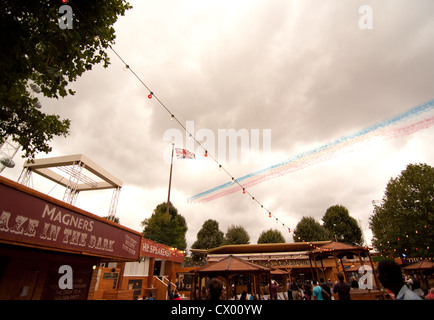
(303, 69)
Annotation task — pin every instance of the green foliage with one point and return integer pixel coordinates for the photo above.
(236, 235)
(271, 236)
(308, 229)
(209, 236)
(404, 222)
(341, 226)
(168, 228)
(337, 225)
(34, 49)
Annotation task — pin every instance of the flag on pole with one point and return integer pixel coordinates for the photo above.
(184, 154)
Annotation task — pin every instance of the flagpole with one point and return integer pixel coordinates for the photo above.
(170, 181)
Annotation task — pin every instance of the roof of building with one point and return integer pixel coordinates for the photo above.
(340, 249)
(263, 248)
(420, 265)
(338, 246)
(232, 263)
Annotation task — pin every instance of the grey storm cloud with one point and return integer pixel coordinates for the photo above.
(303, 69)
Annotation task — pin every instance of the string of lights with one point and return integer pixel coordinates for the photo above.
(389, 246)
(152, 94)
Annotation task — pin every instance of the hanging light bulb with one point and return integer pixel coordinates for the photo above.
(150, 95)
(206, 153)
(244, 190)
(126, 67)
(253, 198)
(269, 214)
(233, 180)
(220, 167)
(172, 117)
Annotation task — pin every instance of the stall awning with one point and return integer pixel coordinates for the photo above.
(421, 265)
(231, 264)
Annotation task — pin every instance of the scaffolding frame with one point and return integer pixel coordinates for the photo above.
(83, 175)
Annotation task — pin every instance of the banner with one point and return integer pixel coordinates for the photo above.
(25, 218)
(161, 251)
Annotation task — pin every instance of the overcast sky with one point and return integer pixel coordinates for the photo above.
(303, 69)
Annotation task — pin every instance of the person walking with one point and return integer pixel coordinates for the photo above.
(307, 291)
(430, 295)
(390, 276)
(341, 288)
(273, 289)
(215, 289)
(296, 295)
(317, 292)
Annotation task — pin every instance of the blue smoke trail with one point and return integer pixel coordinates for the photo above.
(405, 116)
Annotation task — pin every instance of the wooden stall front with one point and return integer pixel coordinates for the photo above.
(227, 269)
(154, 274)
(338, 251)
(52, 250)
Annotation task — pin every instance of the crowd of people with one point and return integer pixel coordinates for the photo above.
(401, 287)
(319, 290)
(398, 286)
(389, 274)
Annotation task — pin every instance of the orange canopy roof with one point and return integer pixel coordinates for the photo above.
(342, 249)
(420, 265)
(232, 264)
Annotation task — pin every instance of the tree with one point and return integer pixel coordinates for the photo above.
(36, 52)
(308, 229)
(208, 237)
(236, 235)
(341, 226)
(271, 236)
(403, 224)
(168, 228)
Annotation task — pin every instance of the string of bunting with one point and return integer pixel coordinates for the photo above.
(151, 94)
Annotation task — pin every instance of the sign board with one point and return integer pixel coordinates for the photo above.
(184, 281)
(80, 287)
(29, 219)
(160, 251)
